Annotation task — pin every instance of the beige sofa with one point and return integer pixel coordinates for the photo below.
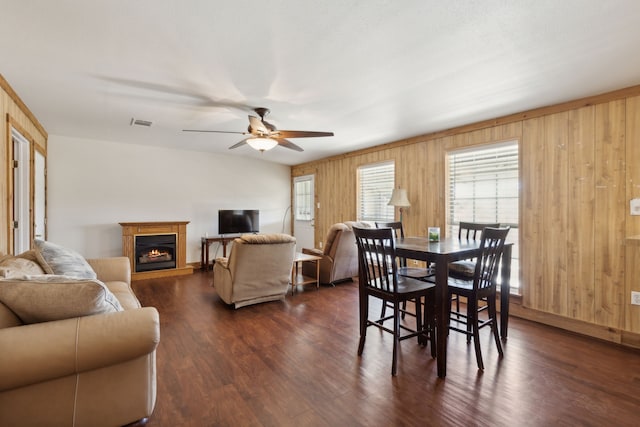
(257, 270)
(93, 370)
(339, 254)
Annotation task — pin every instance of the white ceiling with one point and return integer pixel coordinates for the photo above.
(371, 71)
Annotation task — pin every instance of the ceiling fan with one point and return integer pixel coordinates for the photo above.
(265, 136)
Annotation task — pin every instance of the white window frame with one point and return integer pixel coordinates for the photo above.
(303, 193)
(483, 186)
(375, 182)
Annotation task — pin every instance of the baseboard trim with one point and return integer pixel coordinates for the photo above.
(618, 336)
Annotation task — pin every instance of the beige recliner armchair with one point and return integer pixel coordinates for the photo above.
(339, 256)
(257, 270)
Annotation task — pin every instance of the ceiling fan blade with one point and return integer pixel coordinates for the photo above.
(301, 134)
(288, 144)
(213, 131)
(239, 144)
(256, 125)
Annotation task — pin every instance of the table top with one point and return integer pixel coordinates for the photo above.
(299, 257)
(447, 245)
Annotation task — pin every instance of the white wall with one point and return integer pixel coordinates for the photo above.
(93, 185)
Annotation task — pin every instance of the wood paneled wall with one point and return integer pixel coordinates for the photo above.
(15, 114)
(579, 167)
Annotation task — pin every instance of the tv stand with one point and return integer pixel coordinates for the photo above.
(204, 251)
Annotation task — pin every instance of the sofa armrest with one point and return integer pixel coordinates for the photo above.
(112, 269)
(45, 351)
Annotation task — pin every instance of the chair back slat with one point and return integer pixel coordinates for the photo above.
(396, 226)
(376, 257)
(492, 244)
(473, 230)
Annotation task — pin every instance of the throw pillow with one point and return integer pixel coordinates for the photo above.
(45, 298)
(58, 260)
(17, 266)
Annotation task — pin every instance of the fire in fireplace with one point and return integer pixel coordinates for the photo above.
(155, 252)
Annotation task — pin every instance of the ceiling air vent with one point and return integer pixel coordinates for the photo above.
(138, 122)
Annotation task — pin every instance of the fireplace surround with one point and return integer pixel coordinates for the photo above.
(156, 249)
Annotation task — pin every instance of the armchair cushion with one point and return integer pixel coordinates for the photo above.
(44, 298)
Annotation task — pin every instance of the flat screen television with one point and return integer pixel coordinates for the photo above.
(238, 221)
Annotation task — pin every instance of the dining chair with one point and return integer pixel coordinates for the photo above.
(482, 286)
(413, 272)
(464, 269)
(379, 278)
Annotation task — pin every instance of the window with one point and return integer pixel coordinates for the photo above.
(303, 188)
(483, 187)
(375, 185)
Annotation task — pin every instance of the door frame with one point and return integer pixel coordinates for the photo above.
(297, 224)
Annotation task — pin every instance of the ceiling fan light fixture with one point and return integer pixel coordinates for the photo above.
(262, 143)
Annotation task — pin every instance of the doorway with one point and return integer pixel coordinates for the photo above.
(21, 192)
(303, 211)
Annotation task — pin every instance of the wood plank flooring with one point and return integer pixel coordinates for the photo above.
(294, 363)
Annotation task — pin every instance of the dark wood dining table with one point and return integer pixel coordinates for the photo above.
(442, 253)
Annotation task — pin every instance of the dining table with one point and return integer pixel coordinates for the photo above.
(441, 253)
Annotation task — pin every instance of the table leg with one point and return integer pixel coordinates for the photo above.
(203, 265)
(505, 290)
(443, 308)
(317, 274)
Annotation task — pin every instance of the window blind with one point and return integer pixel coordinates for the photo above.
(375, 185)
(484, 187)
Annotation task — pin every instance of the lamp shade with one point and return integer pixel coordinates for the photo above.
(262, 144)
(399, 198)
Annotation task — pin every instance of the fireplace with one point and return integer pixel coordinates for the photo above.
(155, 252)
(156, 249)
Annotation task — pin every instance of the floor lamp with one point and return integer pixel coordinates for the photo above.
(399, 199)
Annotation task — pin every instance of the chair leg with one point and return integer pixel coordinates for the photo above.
(364, 317)
(469, 323)
(429, 323)
(420, 327)
(473, 312)
(494, 324)
(396, 336)
(383, 312)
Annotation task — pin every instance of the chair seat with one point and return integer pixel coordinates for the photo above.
(408, 285)
(415, 272)
(464, 268)
(457, 285)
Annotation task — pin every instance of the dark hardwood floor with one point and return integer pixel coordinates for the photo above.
(294, 363)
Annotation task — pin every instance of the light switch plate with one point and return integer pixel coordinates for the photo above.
(634, 207)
